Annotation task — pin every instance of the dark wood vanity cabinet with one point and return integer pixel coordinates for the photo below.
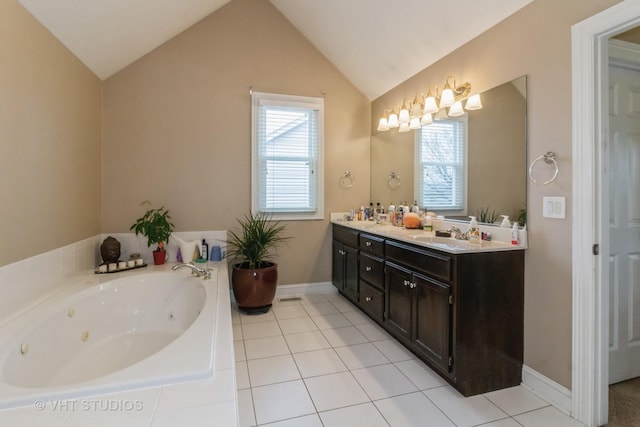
(344, 274)
(462, 314)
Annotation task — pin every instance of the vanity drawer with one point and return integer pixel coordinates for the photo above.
(431, 263)
(372, 301)
(372, 270)
(372, 244)
(345, 235)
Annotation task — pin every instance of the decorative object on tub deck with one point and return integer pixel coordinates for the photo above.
(110, 250)
(254, 278)
(156, 226)
(188, 249)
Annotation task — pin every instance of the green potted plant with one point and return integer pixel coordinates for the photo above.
(155, 224)
(254, 277)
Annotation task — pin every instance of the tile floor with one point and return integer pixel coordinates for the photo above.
(321, 362)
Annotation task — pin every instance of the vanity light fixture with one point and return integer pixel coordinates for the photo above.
(426, 108)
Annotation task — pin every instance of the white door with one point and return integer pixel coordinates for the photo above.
(624, 224)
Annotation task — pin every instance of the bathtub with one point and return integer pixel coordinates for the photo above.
(137, 331)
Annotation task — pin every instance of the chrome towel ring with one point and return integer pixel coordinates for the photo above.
(347, 180)
(393, 181)
(549, 158)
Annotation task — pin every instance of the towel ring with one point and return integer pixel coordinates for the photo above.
(347, 180)
(393, 181)
(549, 158)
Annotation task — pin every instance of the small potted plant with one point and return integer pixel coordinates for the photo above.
(254, 278)
(155, 224)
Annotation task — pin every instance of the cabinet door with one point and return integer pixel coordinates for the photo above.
(351, 273)
(337, 265)
(432, 325)
(398, 315)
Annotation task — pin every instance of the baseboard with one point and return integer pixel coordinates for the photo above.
(305, 288)
(549, 390)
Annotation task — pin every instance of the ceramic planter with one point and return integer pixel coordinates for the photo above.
(159, 257)
(254, 289)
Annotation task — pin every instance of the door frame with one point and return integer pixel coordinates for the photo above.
(590, 282)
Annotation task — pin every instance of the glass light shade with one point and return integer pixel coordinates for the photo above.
(415, 110)
(404, 116)
(383, 125)
(404, 127)
(430, 105)
(392, 122)
(446, 100)
(427, 119)
(456, 109)
(414, 123)
(474, 103)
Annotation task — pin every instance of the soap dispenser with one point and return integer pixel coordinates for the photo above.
(474, 230)
(515, 234)
(505, 222)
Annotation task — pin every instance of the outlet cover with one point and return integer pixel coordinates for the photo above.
(554, 207)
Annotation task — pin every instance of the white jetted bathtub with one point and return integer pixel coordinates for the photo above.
(136, 331)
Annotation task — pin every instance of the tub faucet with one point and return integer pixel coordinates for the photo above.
(458, 234)
(204, 273)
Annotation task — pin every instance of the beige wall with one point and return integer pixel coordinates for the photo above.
(50, 128)
(177, 129)
(535, 41)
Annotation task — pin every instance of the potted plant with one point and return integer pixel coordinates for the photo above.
(253, 277)
(155, 224)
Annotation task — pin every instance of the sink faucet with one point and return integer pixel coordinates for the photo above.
(458, 234)
(203, 273)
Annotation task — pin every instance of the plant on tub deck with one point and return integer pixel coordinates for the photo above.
(254, 277)
(156, 226)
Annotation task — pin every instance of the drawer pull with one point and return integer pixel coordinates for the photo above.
(367, 299)
(368, 243)
(406, 283)
(367, 268)
(412, 285)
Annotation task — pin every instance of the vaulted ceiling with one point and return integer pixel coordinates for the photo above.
(376, 44)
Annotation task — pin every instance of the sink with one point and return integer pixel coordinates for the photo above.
(454, 244)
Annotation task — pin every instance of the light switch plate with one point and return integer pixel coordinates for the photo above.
(554, 207)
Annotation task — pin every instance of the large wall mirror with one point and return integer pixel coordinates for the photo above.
(496, 164)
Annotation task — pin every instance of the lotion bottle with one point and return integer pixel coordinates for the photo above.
(505, 222)
(515, 237)
(474, 230)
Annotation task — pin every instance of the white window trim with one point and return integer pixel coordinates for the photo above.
(417, 168)
(297, 101)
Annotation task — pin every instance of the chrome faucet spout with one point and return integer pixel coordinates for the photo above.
(200, 272)
(458, 234)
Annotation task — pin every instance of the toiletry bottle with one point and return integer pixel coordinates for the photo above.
(515, 234)
(505, 222)
(361, 213)
(204, 252)
(392, 213)
(415, 207)
(474, 231)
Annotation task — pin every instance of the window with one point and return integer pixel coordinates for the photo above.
(441, 166)
(287, 163)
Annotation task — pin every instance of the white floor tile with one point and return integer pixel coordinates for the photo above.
(343, 305)
(281, 401)
(464, 411)
(246, 412)
(361, 355)
(319, 362)
(246, 319)
(344, 336)
(547, 417)
(313, 298)
(420, 374)
(506, 422)
(335, 391)
(516, 400)
(306, 341)
(318, 308)
(359, 415)
(289, 311)
(238, 349)
(206, 392)
(394, 351)
(242, 376)
(235, 315)
(330, 321)
(334, 296)
(198, 416)
(356, 317)
(373, 332)
(305, 421)
(411, 410)
(272, 370)
(258, 348)
(136, 421)
(294, 326)
(260, 330)
(383, 381)
(237, 332)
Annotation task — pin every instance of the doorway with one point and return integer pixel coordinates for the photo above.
(591, 242)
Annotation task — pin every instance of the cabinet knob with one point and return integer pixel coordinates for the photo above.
(367, 299)
(368, 243)
(412, 285)
(367, 268)
(406, 283)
